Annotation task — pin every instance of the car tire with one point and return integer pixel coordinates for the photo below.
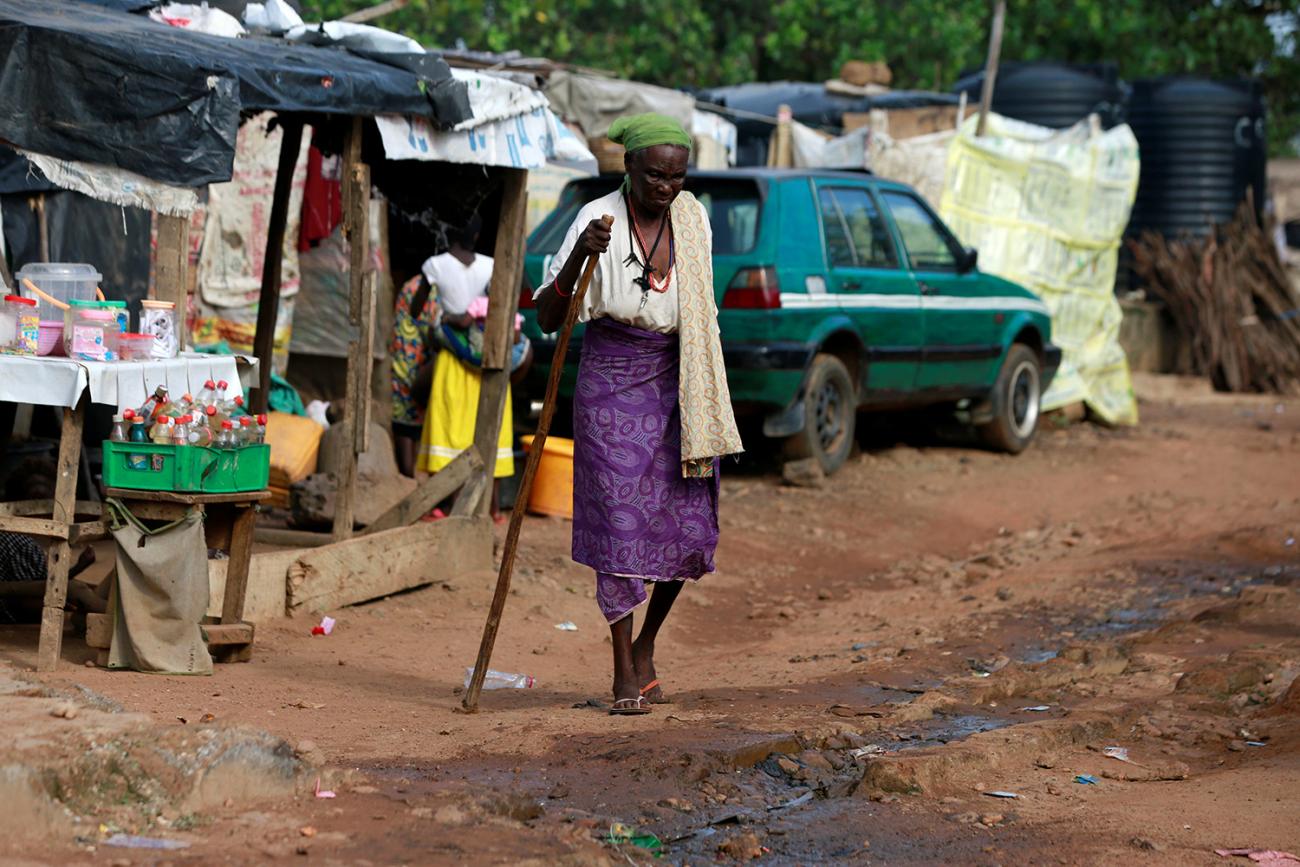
(830, 415)
(1015, 401)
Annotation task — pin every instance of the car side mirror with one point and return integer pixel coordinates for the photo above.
(969, 259)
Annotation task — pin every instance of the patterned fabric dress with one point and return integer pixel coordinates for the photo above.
(408, 351)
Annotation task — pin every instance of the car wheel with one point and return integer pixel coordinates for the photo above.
(1015, 399)
(830, 414)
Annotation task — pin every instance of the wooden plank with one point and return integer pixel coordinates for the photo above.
(430, 492)
(60, 553)
(290, 538)
(35, 527)
(170, 282)
(471, 496)
(503, 300)
(365, 363)
(265, 596)
(99, 630)
(241, 551)
(991, 65)
(268, 302)
(40, 508)
(356, 224)
(187, 499)
(216, 634)
(369, 567)
(88, 531)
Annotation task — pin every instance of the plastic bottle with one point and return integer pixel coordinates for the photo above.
(200, 434)
(261, 428)
(159, 433)
(118, 433)
(237, 407)
(207, 395)
(219, 398)
(247, 431)
(185, 405)
(153, 404)
(501, 680)
(138, 434)
(226, 439)
(214, 419)
(180, 431)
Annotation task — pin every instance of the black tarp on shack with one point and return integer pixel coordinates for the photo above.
(82, 82)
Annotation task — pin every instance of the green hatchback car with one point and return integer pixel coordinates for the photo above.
(839, 292)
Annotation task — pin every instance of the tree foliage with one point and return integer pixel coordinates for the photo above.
(927, 43)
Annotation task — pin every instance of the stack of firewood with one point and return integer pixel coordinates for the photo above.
(1231, 301)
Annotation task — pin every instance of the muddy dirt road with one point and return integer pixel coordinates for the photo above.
(872, 661)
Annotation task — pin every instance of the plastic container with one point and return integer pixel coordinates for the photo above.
(90, 332)
(26, 335)
(501, 680)
(119, 311)
(8, 328)
(49, 340)
(158, 319)
(190, 468)
(64, 281)
(135, 347)
(552, 492)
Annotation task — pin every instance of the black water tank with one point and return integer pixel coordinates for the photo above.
(1056, 95)
(1202, 145)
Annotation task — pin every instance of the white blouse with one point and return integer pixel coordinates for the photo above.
(612, 292)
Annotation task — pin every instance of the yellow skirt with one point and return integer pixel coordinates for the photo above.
(452, 413)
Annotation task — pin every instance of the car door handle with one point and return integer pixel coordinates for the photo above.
(927, 289)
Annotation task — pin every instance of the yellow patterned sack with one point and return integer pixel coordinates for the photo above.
(1047, 209)
(708, 422)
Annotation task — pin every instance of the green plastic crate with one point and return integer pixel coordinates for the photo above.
(190, 469)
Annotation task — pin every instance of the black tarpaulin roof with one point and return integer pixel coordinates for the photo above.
(82, 82)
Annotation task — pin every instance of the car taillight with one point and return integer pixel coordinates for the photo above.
(753, 289)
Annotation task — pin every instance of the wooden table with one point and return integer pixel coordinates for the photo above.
(72, 386)
(227, 526)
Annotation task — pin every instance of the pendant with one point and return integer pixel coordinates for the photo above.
(645, 296)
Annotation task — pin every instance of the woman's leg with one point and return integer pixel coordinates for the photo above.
(404, 448)
(643, 649)
(626, 685)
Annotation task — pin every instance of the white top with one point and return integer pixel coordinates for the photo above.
(612, 292)
(457, 283)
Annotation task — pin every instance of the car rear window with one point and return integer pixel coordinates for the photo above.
(734, 206)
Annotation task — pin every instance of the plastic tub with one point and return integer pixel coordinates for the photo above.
(135, 347)
(120, 312)
(50, 339)
(552, 492)
(90, 331)
(158, 318)
(64, 281)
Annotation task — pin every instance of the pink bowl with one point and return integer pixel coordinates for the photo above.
(50, 341)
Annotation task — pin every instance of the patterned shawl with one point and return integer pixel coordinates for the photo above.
(708, 423)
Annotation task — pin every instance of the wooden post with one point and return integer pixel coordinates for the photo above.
(498, 336)
(172, 261)
(356, 225)
(60, 553)
(991, 65)
(268, 302)
(241, 554)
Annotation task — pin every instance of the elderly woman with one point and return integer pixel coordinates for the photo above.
(652, 413)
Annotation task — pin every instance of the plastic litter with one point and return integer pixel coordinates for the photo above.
(325, 628)
(130, 841)
(1087, 779)
(621, 834)
(323, 793)
(868, 750)
(567, 626)
(1002, 794)
(501, 680)
(794, 802)
(1256, 744)
(1038, 708)
(1261, 856)
(1120, 753)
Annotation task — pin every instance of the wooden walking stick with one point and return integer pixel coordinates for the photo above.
(470, 703)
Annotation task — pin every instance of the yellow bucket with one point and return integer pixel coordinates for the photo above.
(552, 492)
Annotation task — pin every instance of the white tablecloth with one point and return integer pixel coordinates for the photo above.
(121, 384)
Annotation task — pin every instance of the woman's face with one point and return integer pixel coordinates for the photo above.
(657, 174)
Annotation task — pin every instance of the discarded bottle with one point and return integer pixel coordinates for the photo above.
(154, 404)
(501, 680)
(118, 433)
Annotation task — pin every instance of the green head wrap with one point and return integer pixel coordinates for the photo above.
(640, 131)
